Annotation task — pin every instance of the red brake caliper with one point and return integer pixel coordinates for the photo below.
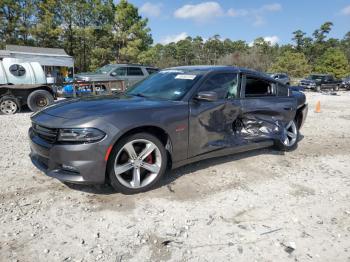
(149, 159)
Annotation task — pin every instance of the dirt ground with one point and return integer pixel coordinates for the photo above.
(262, 205)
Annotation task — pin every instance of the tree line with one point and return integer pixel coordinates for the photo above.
(97, 32)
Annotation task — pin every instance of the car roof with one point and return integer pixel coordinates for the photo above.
(320, 74)
(117, 65)
(213, 68)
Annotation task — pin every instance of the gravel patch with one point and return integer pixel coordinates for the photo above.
(257, 206)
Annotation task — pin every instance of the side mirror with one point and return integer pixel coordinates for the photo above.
(209, 96)
(113, 74)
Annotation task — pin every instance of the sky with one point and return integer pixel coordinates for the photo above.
(241, 19)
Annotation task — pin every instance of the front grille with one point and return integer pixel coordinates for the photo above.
(46, 133)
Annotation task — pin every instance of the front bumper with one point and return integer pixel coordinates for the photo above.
(308, 86)
(304, 110)
(73, 163)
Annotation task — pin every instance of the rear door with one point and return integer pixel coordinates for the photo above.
(267, 106)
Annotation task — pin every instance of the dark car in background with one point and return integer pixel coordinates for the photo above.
(175, 117)
(281, 77)
(318, 82)
(346, 83)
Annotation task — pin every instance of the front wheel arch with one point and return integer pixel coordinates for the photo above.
(156, 131)
(115, 180)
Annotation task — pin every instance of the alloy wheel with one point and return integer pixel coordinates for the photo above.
(137, 163)
(291, 134)
(8, 107)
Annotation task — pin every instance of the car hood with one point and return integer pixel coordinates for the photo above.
(90, 76)
(101, 106)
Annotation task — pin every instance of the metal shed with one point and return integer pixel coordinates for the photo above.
(45, 56)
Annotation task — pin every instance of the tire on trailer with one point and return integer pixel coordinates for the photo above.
(9, 105)
(336, 88)
(39, 99)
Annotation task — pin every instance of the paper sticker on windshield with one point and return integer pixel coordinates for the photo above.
(170, 71)
(186, 77)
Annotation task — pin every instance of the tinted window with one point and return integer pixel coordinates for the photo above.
(224, 84)
(258, 87)
(135, 71)
(152, 70)
(121, 71)
(282, 90)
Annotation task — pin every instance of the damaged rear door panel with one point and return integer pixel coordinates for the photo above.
(267, 107)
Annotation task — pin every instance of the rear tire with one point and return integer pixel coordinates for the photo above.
(290, 137)
(137, 163)
(39, 99)
(9, 105)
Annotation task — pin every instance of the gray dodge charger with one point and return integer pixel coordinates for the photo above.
(172, 118)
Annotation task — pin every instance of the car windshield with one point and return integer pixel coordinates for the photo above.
(104, 69)
(166, 84)
(316, 77)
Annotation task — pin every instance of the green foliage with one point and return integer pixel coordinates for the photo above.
(47, 29)
(334, 62)
(294, 63)
(132, 34)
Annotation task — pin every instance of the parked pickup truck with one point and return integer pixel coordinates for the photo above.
(23, 84)
(318, 82)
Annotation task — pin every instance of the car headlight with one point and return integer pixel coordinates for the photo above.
(80, 135)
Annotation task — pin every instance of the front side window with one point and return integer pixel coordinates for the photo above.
(135, 71)
(166, 84)
(120, 71)
(224, 84)
(256, 87)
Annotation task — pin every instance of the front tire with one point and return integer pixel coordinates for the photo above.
(290, 136)
(137, 163)
(39, 99)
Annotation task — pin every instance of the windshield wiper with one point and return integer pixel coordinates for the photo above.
(139, 94)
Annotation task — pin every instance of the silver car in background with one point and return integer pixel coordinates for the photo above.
(129, 73)
(281, 77)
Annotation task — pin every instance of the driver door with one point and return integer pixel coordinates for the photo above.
(210, 122)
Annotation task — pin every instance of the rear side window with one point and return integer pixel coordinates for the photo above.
(135, 71)
(120, 71)
(152, 70)
(256, 87)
